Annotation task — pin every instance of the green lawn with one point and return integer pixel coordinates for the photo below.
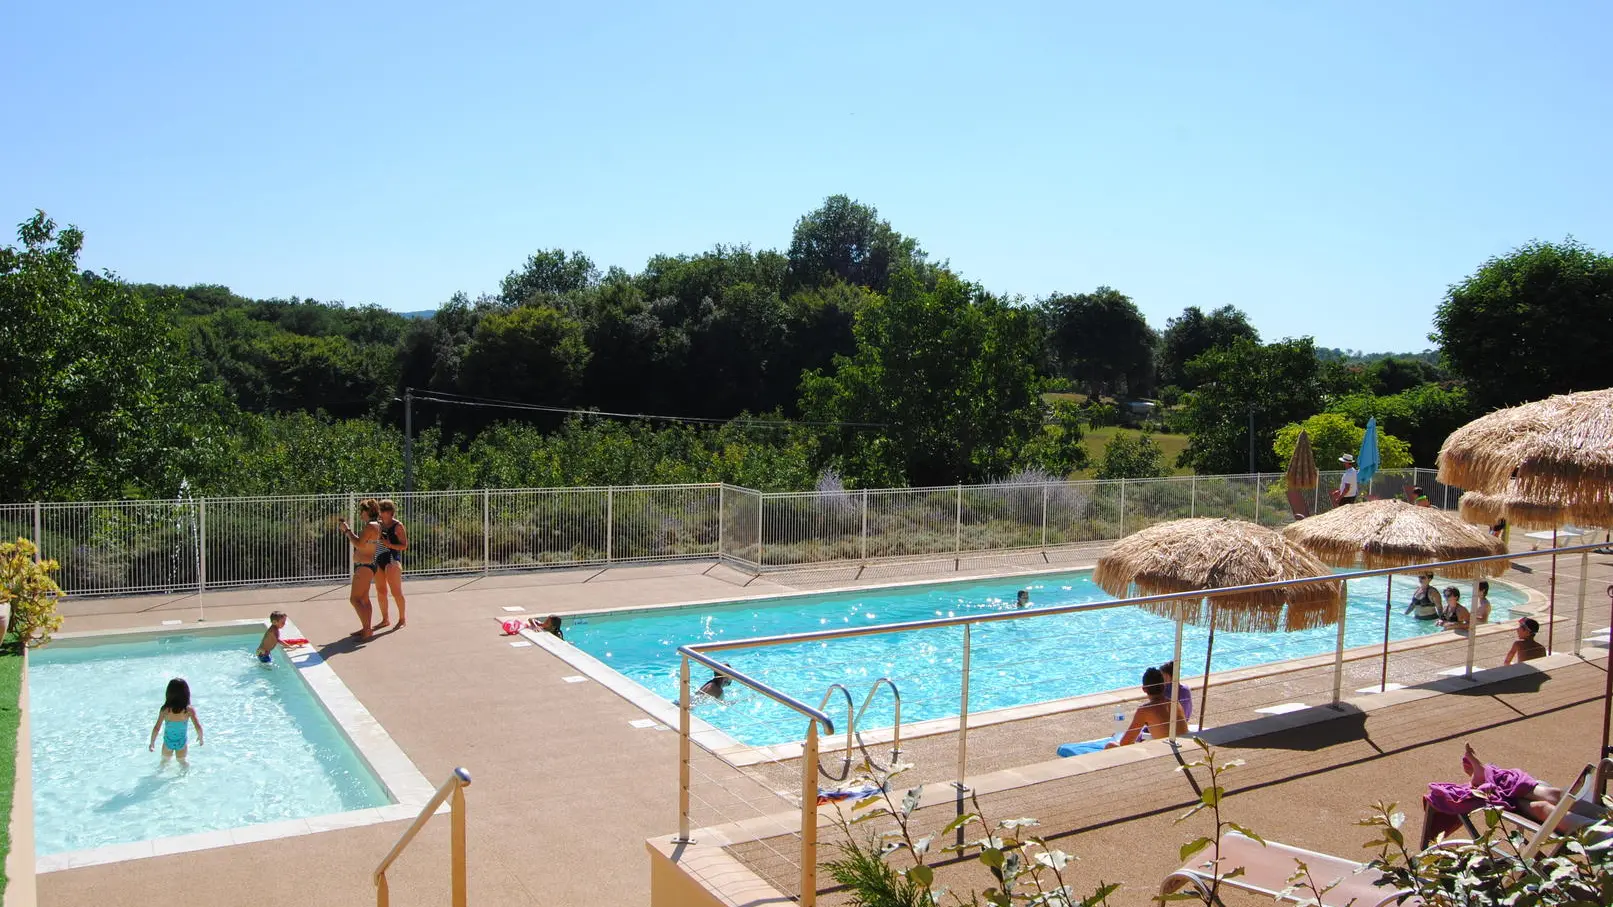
(10, 717)
(1095, 439)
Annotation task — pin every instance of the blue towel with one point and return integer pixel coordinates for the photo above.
(1084, 747)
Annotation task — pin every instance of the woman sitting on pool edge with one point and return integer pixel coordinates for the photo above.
(1153, 715)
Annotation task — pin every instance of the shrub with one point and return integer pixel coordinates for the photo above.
(27, 586)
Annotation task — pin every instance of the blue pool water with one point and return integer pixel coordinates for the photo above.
(271, 751)
(1012, 662)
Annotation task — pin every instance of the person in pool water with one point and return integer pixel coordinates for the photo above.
(271, 636)
(172, 718)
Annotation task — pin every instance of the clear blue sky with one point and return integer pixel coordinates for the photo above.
(1329, 168)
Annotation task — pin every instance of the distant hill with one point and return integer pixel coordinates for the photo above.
(425, 313)
(1353, 357)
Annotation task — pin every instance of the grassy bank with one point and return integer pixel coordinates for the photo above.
(1096, 439)
(10, 717)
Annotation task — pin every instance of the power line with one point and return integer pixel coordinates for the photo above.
(453, 399)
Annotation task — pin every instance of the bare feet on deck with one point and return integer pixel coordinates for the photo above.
(384, 624)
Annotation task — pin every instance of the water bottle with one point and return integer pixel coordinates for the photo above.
(1120, 723)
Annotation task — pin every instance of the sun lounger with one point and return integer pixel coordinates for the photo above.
(1580, 808)
(1267, 868)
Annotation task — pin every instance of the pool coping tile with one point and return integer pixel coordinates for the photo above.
(401, 781)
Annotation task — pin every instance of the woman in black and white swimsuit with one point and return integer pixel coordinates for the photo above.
(389, 550)
(365, 545)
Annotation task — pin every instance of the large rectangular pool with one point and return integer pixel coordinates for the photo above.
(1012, 663)
(272, 752)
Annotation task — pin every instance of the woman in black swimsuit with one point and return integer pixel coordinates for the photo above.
(389, 550)
(365, 544)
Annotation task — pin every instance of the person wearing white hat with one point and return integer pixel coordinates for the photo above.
(1349, 483)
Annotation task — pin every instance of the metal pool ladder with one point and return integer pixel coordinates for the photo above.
(455, 786)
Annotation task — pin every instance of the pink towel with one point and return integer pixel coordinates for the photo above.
(1501, 788)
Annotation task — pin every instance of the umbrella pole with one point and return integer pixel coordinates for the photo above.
(1551, 606)
(1204, 689)
(1388, 600)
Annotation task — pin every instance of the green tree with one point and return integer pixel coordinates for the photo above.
(1193, 333)
(532, 354)
(1333, 435)
(948, 376)
(1533, 323)
(845, 240)
(1129, 456)
(547, 273)
(1424, 415)
(1277, 381)
(99, 395)
(1057, 450)
(1101, 340)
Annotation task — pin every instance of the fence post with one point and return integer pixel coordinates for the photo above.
(39, 550)
(809, 816)
(865, 524)
(201, 550)
(610, 522)
(957, 528)
(1122, 508)
(1193, 497)
(1446, 495)
(963, 716)
(1044, 516)
(487, 530)
(721, 497)
(761, 548)
(1257, 499)
(1316, 497)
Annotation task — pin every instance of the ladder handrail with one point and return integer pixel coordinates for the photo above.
(457, 782)
(896, 727)
(851, 723)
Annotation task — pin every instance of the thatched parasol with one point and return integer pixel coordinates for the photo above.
(1489, 508)
(1302, 466)
(1392, 533)
(1559, 448)
(1199, 554)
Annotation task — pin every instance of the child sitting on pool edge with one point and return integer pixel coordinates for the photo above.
(271, 636)
(171, 720)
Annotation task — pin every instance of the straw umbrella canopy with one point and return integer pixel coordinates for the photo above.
(1391, 533)
(1199, 554)
(1302, 466)
(1489, 508)
(1559, 449)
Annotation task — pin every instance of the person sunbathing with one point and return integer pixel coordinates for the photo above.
(1154, 716)
(1489, 785)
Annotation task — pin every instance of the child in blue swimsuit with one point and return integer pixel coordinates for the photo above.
(172, 720)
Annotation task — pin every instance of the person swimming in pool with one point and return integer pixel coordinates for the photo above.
(715, 686)
(172, 718)
(365, 549)
(1023, 598)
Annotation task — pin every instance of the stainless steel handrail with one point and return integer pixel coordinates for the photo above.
(896, 725)
(777, 696)
(851, 725)
(758, 642)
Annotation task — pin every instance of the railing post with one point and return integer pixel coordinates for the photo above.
(721, 499)
(1257, 499)
(1122, 508)
(1446, 495)
(1472, 627)
(39, 548)
(201, 558)
(383, 898)
(1193, 497)
(865, 524)
(809, 816)
(963, 716)
(1176, 673)
(456, 818)
(684, 723)
(761, 548)
(610, 522)
(1044, 516)
(1579, 612)
(1316, 498)
(487, 530)
(1338, 650)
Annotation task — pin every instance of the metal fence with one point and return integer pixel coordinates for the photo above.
(196, 544)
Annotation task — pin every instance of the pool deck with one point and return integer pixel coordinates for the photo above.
(566, 789)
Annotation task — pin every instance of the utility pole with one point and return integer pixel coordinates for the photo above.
(408, 439)
(1251, 439)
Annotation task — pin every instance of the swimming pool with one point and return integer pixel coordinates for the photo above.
(272, 751)
(1012, 663)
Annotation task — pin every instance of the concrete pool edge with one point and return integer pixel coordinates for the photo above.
(397, 775)
(20, 889)
(739, 754)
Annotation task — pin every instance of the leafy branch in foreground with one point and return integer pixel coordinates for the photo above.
(1210, 798)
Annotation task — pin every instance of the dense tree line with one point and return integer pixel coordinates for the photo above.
(851, 351)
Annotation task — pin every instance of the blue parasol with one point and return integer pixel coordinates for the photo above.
(1366, 464)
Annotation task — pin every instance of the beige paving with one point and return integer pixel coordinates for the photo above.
(565, 789)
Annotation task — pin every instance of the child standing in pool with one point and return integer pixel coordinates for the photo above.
(171, 720)
(271, 636)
